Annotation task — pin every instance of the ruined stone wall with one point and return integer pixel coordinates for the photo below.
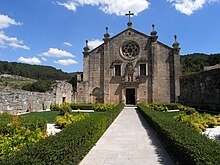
(201, 90)
(212, 67)
(16, 101)
(63, 92)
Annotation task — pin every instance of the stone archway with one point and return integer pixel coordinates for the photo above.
(98, 95)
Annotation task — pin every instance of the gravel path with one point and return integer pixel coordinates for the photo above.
(213, 133)
(52, 129)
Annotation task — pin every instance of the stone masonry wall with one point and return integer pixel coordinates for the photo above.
(16, 101)
(201, 90)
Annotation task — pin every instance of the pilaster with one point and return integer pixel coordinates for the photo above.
(154, 66)
(176, 67)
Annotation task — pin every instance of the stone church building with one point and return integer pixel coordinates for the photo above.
(130, 67)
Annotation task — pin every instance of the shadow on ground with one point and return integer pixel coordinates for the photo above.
(163, 159)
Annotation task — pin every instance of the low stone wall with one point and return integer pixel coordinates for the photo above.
(16, 101)
(212, 67)
(201, 90)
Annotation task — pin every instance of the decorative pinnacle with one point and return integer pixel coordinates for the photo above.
(176, 45)
(153, 33)
(153, 27)
(86, 48)
(175, 41)
(106, 35)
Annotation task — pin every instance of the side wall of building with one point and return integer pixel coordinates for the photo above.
(201, 90)
(163, 75)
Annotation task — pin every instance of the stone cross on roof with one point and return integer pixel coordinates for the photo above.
(129, 15)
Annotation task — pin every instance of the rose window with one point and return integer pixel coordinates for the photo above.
(130, 49)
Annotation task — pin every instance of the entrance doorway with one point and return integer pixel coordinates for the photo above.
(64, 99)
(130, 96)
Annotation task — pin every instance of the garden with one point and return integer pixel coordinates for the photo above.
(23, 139)
(180, 132)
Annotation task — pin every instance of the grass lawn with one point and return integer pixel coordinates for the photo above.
(51, 115)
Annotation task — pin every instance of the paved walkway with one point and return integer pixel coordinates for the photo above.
(128, 141)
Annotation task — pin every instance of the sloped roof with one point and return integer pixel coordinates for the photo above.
(131, 29)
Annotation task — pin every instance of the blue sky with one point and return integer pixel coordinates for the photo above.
(53, 32)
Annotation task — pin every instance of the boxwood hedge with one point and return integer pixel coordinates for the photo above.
(81, 106)
(68, 147)
(184, 144)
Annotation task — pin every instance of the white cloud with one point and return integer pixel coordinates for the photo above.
(188, 7)
(44, 59)
(94, 43)
(67, 44)
(118, 7)
(54, 52)
(6, 41)
(70, 5)
(33, 60)
(6, 21)
(66, 62)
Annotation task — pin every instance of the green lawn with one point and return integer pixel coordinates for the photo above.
(51, 115)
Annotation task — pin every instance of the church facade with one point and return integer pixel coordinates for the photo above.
(130, 67)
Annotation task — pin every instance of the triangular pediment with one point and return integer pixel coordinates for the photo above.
(125, 31)
(132, 30)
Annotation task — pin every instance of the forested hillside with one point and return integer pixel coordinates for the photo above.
(189, 63)
(33, 71)
(44, 74)
(195, 62)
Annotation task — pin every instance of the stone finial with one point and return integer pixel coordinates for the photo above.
(175, 37)
(176, 47)
(153, 34)
(86, 48)
(153, 27)
(106, 35)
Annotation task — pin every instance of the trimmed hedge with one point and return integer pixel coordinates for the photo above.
(171, 106)
(81, 106)
(185, 144)
(68, 147)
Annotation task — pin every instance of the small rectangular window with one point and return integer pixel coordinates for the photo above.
(117, 70)
(82, 77)
(142, 69)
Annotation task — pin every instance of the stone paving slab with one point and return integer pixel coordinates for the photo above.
(128, 141)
